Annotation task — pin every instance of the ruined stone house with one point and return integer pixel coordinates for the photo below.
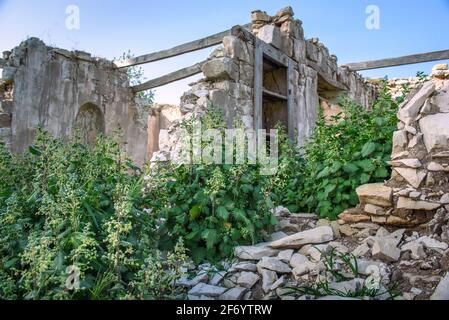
(263, 73)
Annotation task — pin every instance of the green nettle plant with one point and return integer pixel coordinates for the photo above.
(351, 150)
(212, 208)
(73, 225)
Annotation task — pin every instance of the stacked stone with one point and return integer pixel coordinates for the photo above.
(6, 89)
(398, 86)
(419, 185)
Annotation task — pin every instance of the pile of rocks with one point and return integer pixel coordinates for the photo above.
(419, 185)
(414, 262)
(398, 86)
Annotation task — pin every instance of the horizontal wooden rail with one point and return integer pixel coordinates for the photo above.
(400, 61)
(169, 78)
(176, 51)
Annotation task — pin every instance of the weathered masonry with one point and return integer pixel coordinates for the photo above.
(262, 73)
(62, 91)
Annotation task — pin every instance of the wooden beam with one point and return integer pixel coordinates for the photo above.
(274, 94)
(169, 78)
(258, 85)
(400, 61)
(203, 43)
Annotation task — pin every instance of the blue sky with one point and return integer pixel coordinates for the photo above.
(110, 27)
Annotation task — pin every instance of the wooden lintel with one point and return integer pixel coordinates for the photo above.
(400, 61)
(199, 44)
(274, 94)
(169, 78)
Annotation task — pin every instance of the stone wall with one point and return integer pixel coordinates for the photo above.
(228, 82)
(419, 186)
(61, 90)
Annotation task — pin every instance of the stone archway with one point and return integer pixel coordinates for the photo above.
(89, 123)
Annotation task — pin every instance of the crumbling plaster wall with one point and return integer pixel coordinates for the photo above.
(229, 74)
(48, 87)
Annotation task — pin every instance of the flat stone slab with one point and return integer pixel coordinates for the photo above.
(312, 236)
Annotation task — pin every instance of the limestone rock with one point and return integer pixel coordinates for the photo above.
(248, 279)
(260, 16)
(347, 230)
(434, 166)
(312, 236)
(268, 279)
(353, 285)
(271, 35)
(233, 294)
(410, 163)
(243, 266)
(274, 264)
(285, 255)
(203, 289)
(436, 131)
(407, 203)
(353, 216)
(220, 69)
(385, 249)
(442, 290)
(375, 210)
(445, 199)
(412, 107)
(300, 260)
(413, 176)
(431, 243)
(375, 193)
(254, 252)
(416, 249)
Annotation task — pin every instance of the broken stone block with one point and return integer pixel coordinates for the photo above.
(233, 294)
(442, 290)
(260, 16)
(413, 176)
(312, 236)
(410, 204)
(221, 69)
(254, 252)
(375, 193)
(375, 210)
(410, 163)
(271, 35)
(412, 107)
(416, 249)
(431, 243)
(435, 129)
(400, 141)
(268, 279)
(385, 249)
(435, 167)
(203, 289)
(285, 255)
(353, 216)
(248, 279)
(274, 264)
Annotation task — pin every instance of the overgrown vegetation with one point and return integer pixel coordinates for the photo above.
(71, 212)
(341, 268)
(351, 150)
(65, 205)
(212, 207)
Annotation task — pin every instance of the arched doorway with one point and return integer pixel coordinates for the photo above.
(89, 123)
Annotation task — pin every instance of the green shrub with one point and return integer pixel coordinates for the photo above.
(64, 205)
(351, 150)
(212, 208)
